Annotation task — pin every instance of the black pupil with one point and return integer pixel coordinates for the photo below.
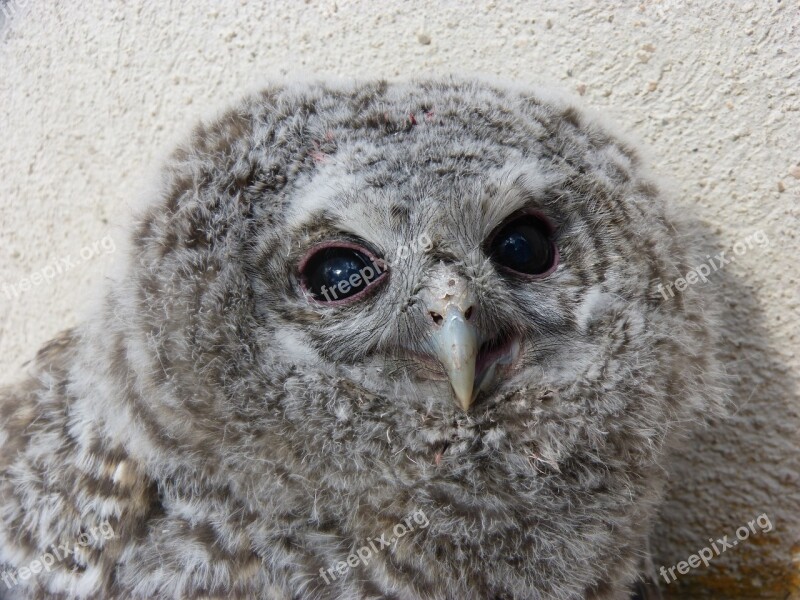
(338, 273)
(524, 246)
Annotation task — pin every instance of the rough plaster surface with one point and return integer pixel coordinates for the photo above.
(91, 94)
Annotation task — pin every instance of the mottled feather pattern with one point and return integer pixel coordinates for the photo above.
(240, 439)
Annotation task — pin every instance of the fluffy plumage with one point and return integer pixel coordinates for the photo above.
(241, 439)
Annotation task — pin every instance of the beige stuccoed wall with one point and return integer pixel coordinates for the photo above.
(92, 92)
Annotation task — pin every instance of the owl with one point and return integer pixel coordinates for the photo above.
(370, 340)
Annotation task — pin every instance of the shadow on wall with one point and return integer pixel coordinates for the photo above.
(733, 501)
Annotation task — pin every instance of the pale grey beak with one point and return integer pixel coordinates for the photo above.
(455, 343)
(453, 338)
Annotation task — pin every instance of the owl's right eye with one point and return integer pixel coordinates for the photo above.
(340, 271)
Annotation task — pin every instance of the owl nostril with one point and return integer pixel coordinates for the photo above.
(437, 318)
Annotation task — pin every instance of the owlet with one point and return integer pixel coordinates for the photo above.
(371, 340)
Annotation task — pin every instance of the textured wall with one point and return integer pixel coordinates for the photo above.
(91, 93)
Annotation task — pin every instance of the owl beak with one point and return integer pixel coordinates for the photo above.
(455, 343)
(453, 337)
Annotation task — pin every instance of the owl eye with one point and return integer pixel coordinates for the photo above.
(525, 246)
(339, 272)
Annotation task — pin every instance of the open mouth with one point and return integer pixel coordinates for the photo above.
(492, 360)
(493, 355)
(497, 352)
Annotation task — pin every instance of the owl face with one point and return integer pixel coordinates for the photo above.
(438, 263)
(444, 283)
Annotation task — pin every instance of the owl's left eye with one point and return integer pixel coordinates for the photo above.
(340, 272)
(525, 246)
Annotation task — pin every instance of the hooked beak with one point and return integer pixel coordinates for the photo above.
(453, 339)
(471, 361)
(455, 344)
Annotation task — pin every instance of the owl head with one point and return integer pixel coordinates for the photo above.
(437, 293)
